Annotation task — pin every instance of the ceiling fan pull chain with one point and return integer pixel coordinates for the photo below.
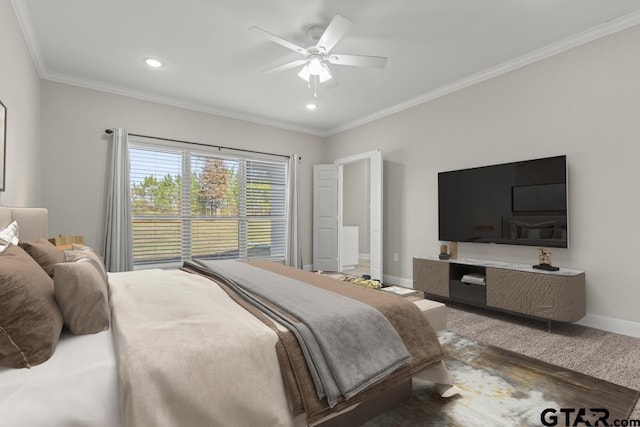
(315, 86)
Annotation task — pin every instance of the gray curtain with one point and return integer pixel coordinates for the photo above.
(118, 251)
(293, 254)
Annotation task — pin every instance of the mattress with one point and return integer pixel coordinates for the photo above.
(78, 386)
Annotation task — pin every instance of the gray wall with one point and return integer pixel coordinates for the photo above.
(20, 93)
(584, 103)
(74, 152)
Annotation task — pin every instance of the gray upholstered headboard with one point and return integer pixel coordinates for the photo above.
(33, 222)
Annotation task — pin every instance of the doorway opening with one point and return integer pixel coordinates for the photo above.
(347, 215)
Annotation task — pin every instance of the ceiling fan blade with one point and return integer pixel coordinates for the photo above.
(288, 65)
(337, 28)
(358, 60)
(281, 41)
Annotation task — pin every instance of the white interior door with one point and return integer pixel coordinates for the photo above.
(325, 218)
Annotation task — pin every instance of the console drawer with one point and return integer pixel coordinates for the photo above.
(468, 292)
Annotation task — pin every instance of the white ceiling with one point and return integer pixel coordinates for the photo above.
(213, 63)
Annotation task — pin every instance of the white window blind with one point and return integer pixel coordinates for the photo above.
(196, 205)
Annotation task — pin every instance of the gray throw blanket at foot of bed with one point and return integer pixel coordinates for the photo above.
(348, 345)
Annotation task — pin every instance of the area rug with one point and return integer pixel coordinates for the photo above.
(503, 388)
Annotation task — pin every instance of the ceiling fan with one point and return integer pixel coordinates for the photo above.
(318, 56)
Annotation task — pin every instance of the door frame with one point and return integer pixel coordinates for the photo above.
(375, 209)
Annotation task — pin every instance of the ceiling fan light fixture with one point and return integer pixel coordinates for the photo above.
(325, 73)
(304, 73)
(315, 66)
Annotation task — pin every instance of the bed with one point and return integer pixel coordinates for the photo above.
(184, 347)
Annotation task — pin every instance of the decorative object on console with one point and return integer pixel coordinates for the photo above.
(544, 257)
(443, 252)
(453, 250)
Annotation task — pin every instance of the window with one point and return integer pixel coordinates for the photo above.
(198, 205)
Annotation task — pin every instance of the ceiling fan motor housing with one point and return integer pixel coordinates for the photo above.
(315, 33)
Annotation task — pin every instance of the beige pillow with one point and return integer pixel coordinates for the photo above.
(44, 253)
(30, 320)
(79, 252)
(83, 297)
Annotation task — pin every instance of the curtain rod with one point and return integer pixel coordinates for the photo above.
(110, 132)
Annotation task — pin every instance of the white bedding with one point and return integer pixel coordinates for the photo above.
(76, 387)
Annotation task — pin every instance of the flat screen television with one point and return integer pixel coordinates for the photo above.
(519, 203)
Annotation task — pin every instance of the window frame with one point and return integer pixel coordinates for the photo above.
(187, 152)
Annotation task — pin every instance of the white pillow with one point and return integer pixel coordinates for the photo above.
(9, 236)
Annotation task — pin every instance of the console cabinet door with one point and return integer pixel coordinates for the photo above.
(547, 296)
(431, 277)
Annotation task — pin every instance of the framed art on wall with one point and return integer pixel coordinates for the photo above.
(3, 144)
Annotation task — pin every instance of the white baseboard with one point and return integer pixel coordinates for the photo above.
(307, 267)
(364, 256)
(395, 280)
(611, 324)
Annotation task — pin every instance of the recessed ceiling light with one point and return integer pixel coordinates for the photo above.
(153, 63)
(311, 106)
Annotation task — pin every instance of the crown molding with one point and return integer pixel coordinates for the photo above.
(615, 25)
(174, 102)
(608, 28)
(24, 21)
(22, 14)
